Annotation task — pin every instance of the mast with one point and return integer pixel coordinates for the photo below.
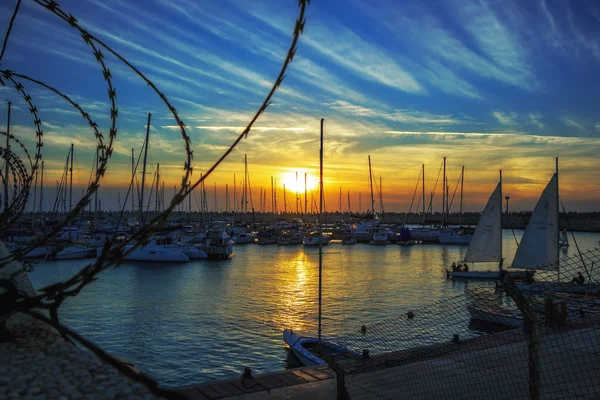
(41, 208)
(96, 192)
(132, 181)
(297, 197)
(275, 194)
(6, 180)
(501, 263)
(557, 223)
(226, 198)
(71, 189)
(423, 194)
(340, 200)
(349, 209)
(444, 200)
(284, 200)
(381, 197)
(371, 185)
(305, 198)
(216, 207)
(144, 171)
(246, 186)
(157, 197)
(462, 181)
(321, 227)
(234, 195)
(34, 201)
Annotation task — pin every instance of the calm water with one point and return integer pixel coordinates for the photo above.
(206, 320)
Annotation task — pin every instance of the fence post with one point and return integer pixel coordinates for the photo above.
(531, 335)
(341, 392)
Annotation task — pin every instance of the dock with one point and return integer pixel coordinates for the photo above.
(482, 369)
(261, 385)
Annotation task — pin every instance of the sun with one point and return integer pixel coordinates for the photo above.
(294, 182)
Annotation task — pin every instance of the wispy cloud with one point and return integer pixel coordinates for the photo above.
(508, 119)
(535, 119)
(404, 116)
(572, 123)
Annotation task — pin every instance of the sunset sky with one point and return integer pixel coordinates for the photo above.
(488, 84)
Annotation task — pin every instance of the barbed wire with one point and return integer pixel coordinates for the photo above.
(52, 295)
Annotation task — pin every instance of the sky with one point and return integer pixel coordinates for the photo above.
(488, 84)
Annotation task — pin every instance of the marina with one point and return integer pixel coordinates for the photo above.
(208, 319)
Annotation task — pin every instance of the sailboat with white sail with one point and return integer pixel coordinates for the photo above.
(486, 244)
(313, 350)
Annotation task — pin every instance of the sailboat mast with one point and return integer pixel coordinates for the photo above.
(6, 181)
(34, 201)
(381, 197)
(321, 227)
(246, 186)
(132, 181)
(144, 171)
(71, 189)
(349, 209)
(96, 192)
(234, 195)
(341, 200)
(284, 201)
(157, 197)
(371, 185)
(297, 198)
(557, 223)
(501, 262)
(462, 181)
(305, 189)
(444, 200)
(275, 194)
(423, 190)
(41, 208)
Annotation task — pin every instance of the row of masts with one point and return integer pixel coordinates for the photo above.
(245, 205)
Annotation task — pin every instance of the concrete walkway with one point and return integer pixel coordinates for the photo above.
(569, 369)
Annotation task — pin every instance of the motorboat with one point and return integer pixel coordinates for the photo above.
(74, 252)
(154, 252)
(380, 238)
(315, 238)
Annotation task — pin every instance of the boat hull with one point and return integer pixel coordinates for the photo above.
(507, 318)
(297, 345)
(573, 288)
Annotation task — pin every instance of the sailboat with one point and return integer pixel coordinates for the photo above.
(313, 350)
(486, 244)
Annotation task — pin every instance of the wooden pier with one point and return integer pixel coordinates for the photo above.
(259, 383)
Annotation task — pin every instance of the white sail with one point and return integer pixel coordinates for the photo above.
(486, 244)
(539, 245)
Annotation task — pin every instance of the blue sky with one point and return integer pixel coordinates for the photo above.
(489, 84)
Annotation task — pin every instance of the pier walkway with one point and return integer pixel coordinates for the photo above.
(569, 368)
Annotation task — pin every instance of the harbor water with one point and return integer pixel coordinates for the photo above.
(205, 320)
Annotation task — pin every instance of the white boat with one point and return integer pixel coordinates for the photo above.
(153, 252)
(40, 252)
(289, 238)
(309, 350)
(315, 238)
(456, 235)
(74, 252)
(244, 237)
(539, 248)
(216, 243)
(193, 252)
(486, 244)
(496, 315)
(380, 238)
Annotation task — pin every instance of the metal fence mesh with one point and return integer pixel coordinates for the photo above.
(537, 340)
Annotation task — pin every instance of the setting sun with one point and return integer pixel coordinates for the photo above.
(294, 181)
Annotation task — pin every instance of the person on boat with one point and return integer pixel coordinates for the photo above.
(454, 269)
(578, 279)
(466, 268)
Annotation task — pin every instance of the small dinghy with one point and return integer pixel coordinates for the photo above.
(311, 350)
